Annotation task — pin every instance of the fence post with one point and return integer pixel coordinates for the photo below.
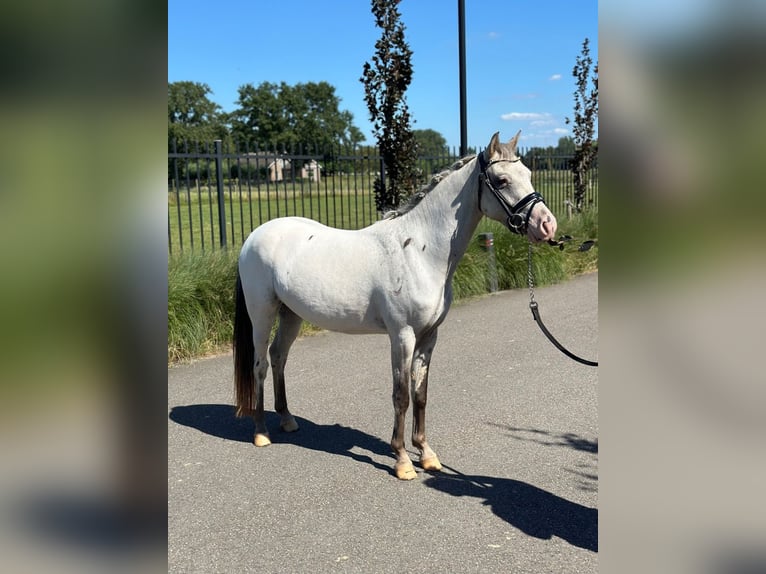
(487, 241)
(219, 187)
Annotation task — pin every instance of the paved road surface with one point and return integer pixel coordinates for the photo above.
(513, 421)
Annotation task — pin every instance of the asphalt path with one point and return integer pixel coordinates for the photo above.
(514, 422)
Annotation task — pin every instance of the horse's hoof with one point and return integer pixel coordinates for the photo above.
(431, 464)
(289, 425)
(405, 471)
(262, 439)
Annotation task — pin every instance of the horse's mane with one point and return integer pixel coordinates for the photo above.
(417, 197)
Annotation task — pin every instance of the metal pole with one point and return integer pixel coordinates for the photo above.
(461, 50)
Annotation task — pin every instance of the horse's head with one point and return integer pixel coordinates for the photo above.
(511, 198)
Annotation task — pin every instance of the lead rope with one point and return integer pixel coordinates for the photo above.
(536, 314)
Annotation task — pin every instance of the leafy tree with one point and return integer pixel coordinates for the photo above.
(192, 116)
(565, 146)
(551, 157)
(318, 118)
(385, 81)
(259, 118)
(584, 123)
(431, 143)
(287, 116)
(433, 154)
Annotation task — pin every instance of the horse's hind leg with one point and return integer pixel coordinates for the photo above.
(289, 326)
(263, 320)
(420, 365)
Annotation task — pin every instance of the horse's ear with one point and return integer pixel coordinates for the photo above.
(514, 142)
(493, 147)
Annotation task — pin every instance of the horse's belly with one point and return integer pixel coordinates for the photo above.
(332, 288)
(347, 315)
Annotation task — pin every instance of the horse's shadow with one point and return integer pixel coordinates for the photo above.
(532, 510)
(220, 421)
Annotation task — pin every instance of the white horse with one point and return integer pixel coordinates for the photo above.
(393, 277)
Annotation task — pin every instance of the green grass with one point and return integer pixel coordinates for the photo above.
(201, 285)
(200, 303)
(343, 201)
(582, 227)
(193, 215)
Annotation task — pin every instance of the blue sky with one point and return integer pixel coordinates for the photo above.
(519, 57)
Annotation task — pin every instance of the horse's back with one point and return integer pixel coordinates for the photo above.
(266, 239)
(288, 240)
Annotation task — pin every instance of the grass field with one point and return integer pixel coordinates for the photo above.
(343, 201)
(193, 221)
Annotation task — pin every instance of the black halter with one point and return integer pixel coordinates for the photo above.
(519, 214)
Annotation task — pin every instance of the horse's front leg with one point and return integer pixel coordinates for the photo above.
(420, 367)
(402, 349)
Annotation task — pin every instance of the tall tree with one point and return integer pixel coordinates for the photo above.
(259, 118)
(430, 143)
(318, 118)
(386, 80)
(566, 146)
(584, 123)
(283, 115)
(192, 115)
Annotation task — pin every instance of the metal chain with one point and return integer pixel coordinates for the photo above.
(530, 279)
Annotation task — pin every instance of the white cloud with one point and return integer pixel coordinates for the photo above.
(545, 137)
(527, 116)
(493, 35)
(555, 77)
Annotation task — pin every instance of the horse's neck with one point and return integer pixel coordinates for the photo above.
(449, 215)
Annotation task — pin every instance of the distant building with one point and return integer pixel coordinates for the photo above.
(311, 170)
(277, 168)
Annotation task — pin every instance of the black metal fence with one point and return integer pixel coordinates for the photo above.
(218, 195)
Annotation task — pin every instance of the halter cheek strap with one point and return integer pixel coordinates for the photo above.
(518, 214)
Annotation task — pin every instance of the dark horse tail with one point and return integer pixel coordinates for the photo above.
(244, 354)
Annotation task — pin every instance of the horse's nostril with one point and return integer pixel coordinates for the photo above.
(549, 226)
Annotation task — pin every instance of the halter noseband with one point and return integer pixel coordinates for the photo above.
(519, 214)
